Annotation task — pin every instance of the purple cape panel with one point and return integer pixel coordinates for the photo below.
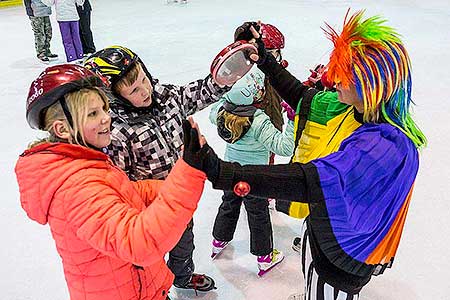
(364, 186)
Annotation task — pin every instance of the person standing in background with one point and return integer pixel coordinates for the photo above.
(39, 15)
(87, 41)
(67, 17)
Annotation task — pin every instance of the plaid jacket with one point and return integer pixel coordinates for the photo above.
(146, 144)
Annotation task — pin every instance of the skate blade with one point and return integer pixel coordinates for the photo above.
(262, 272)
(214, 255)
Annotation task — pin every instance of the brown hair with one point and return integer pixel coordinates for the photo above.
(129, 78)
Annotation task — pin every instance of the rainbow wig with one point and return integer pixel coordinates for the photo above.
(370, 56)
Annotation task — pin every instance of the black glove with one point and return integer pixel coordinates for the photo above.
(243, 32)
(262, 53)
(202, 158)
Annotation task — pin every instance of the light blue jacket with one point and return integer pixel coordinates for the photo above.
(262, 138)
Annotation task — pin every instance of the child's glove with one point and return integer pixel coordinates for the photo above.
(290, 113)
(202, 158)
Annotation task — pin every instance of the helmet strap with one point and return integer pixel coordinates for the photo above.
(66, 111)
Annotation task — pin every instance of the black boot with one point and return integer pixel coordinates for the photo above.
(297, 244)
(43, 58)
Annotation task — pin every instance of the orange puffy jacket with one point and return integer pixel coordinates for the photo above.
(111, 233)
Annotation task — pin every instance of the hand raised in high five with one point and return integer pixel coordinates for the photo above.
(197, 152)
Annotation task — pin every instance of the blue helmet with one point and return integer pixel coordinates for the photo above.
(247, 90)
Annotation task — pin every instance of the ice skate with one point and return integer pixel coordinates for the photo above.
(198, 282)
(271, 203)
(52, 56)
(297, 296)
(43, 58)
(267, 262)
(217, 247)
(297, 244)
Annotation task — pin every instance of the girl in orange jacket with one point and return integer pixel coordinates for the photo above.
(110, 232)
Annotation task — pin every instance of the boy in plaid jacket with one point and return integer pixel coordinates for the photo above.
(147, 133)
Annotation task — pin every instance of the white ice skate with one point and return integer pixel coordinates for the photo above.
(297, 244)
(267, 262)
(176, 1)
(271, 203)
(217, 247)
(297, 296)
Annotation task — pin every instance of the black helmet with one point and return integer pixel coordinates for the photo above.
(111, 63)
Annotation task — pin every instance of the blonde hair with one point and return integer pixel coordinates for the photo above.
(130, 77)
(235, 124)
(77, 103)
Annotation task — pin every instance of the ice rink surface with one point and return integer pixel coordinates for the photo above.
(178, 42)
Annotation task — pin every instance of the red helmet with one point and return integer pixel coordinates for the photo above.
(272, 37)
(52, 84)
(326, 82)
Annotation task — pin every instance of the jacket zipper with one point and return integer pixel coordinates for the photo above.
(139, 279)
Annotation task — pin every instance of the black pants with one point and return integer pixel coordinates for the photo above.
(180, 257)
(261, 237)
(85, 30)
(316, 288)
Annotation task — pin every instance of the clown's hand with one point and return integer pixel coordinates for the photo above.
(197, 152)
(243, 32)
(259, 58)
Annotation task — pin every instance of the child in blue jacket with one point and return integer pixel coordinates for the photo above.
(250, 137)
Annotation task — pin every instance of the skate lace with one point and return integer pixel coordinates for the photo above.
(275, 252)
(197, 279)
(219, 244)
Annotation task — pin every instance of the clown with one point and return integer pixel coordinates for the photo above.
(359, 186)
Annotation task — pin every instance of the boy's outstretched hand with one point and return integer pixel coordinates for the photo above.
(197, 152)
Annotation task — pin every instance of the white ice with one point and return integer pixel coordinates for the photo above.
(178, 43)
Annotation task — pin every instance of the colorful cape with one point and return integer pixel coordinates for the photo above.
(363, 191)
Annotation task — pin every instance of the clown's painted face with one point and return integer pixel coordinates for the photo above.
(349, 95)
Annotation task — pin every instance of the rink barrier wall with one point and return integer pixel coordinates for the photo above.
(9, 3)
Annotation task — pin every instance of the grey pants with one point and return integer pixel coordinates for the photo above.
(42, 29)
